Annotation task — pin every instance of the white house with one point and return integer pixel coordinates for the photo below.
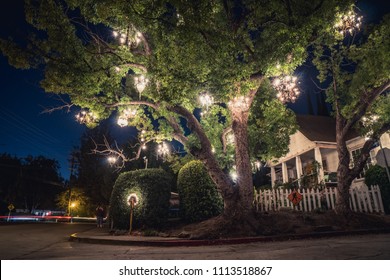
(315, 140)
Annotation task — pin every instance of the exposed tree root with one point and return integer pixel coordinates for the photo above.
(284, 222)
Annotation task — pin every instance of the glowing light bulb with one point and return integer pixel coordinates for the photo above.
(122, 121)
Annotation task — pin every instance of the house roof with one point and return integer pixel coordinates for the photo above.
(320, 128)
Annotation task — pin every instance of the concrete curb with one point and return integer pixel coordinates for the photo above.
(232, 241)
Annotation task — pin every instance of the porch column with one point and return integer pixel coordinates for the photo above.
(318, 158)
(298, 165)
(273, 176)
(284, 172)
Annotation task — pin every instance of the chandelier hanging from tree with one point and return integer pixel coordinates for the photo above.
(287, 88)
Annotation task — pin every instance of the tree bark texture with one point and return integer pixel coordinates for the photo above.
(243, 164)
(344, 178)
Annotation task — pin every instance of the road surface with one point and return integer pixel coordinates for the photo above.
(46, 241)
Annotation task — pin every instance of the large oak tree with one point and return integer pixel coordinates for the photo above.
(149, 61)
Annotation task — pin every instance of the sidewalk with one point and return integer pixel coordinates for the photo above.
(101, 236)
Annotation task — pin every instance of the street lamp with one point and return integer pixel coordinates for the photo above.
(72, 205)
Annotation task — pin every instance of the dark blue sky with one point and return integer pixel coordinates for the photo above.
(26, 131)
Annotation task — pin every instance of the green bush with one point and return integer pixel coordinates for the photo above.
(152, 187)
(199, 198)
(377, 175)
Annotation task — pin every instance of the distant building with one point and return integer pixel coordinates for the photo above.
(315, 141)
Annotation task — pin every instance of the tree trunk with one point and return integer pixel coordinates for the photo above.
(243, 164)
(238, 198)
(344, 178)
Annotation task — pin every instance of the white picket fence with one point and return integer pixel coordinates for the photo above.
(366, 200)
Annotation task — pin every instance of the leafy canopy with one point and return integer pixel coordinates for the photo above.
(95, 51)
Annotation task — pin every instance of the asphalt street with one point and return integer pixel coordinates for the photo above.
(47, 241)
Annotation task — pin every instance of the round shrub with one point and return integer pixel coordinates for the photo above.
(199, 198)
(153, 189)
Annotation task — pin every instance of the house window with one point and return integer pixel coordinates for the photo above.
(355, 154)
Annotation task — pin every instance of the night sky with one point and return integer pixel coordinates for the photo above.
(26, 131)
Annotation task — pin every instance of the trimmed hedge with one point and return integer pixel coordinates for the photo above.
(199, 198)
(153, 189)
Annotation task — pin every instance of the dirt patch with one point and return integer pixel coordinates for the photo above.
(283, 222)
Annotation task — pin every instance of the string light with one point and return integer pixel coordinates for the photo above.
(240, 102)
(234, 175)
(111, 160)
(348, 23)
(257, 165)
(287, 88)
(206, 100)
(163, 150)
(123, 37)
(122, 121)
(138, 37)
(129, 113)
(85, 117)
(230, 138)
(368, 122)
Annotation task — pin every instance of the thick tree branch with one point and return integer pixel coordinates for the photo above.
(178, 132)
(136, 102)
(222, 181)
(148, 50)
(365, 151)
(193, 124)
(366, 101)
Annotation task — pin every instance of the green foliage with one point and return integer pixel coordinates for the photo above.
(355, 69)
(376, 175)
(270, 125)
(227, 48)
(178, 162)
(199, 198)
(309, 178)
(78, 203)
(188, 47)
(152, 187)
